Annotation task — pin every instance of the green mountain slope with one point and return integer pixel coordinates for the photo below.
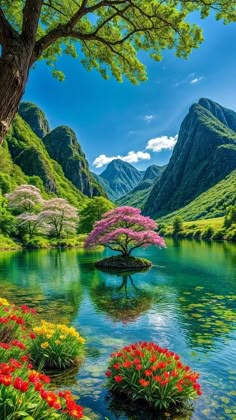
(121, 177)
(139, 195)
(62, 146)
(105, 185)
(28, 157)
(205, 154)
(35, 117)
(210, 204)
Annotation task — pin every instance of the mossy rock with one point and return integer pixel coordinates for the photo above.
(122, 263)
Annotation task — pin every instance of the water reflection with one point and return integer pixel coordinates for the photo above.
(120, 298)
(186, 302)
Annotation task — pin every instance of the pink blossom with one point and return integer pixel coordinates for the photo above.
(123, 229)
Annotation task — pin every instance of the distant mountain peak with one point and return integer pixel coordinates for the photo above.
(121, 176)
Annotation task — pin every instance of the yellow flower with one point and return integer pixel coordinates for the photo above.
(81, 340)
(4, 302)
(57, 341)
(62, 337)
(48, 336)
(44, 345)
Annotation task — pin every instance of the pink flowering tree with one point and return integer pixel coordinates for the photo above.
(59, 217)
(124, 229)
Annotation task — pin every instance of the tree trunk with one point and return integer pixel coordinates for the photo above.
(14, 70)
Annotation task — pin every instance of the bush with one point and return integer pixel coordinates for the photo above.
(219, 235)
(231, 235)
(208, 233)
(56, 346)
(36, 243)
(197, 234)
(145, 371)
(177, 224)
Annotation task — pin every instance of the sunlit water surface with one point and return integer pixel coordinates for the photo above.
(186, 302)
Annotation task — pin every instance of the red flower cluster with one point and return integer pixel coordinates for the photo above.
(149, 366)
(15, 324)
(63, 401)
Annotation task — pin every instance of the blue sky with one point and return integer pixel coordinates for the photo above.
(114, 119)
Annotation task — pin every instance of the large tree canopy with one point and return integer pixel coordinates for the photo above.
(104, 34)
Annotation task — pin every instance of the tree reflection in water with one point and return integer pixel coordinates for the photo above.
(123, 302)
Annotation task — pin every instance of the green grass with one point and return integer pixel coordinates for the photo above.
(201, 229)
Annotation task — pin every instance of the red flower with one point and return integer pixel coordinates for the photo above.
(138, 367)
(127, 364)
(32, 335)
(143, 382)
(116, 366)
(118, 378)
(108, 373)
(148, 372)
(157, 378)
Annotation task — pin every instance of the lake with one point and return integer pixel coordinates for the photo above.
(185, 302)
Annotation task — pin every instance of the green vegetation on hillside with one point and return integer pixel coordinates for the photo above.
(208, 229)
(204, 155)
(29, 153)
(212, 203)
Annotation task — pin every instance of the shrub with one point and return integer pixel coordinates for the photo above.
(148, 372)
(197, 234)
(219, 235)
(56, 346)
(37, 243)
(177, 224)
(231, 235)
(208, 233)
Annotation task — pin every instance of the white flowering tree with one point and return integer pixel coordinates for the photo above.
(59, 216)
(26, 200)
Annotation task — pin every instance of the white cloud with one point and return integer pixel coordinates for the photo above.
(131, 157)
(196, 80)
(160, 143)
(148, 118)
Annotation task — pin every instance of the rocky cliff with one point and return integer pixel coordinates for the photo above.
(205, 153)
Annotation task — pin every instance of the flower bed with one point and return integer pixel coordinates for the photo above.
(56, 346)
(145, 371)
(25, 392)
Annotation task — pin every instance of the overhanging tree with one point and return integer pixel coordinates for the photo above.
(109, 34)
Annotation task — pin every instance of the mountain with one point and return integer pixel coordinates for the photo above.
(105, 185)
(63, 146)
(138, 196)
(24, 159)
(210, 204)
(35, 117)
(153, 171)
(121, 177)
(204, 154)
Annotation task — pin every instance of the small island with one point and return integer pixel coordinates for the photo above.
(123, 230)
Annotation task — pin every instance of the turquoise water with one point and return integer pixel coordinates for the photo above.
(186, 302)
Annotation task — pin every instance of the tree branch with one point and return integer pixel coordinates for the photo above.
(6, 30)
(31, 15)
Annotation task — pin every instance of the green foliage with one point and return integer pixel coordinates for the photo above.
(7, 243)
(93, 212)
(110, 41)
(230, 217)
(177, 224)
(211, 204)
(37, 242)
